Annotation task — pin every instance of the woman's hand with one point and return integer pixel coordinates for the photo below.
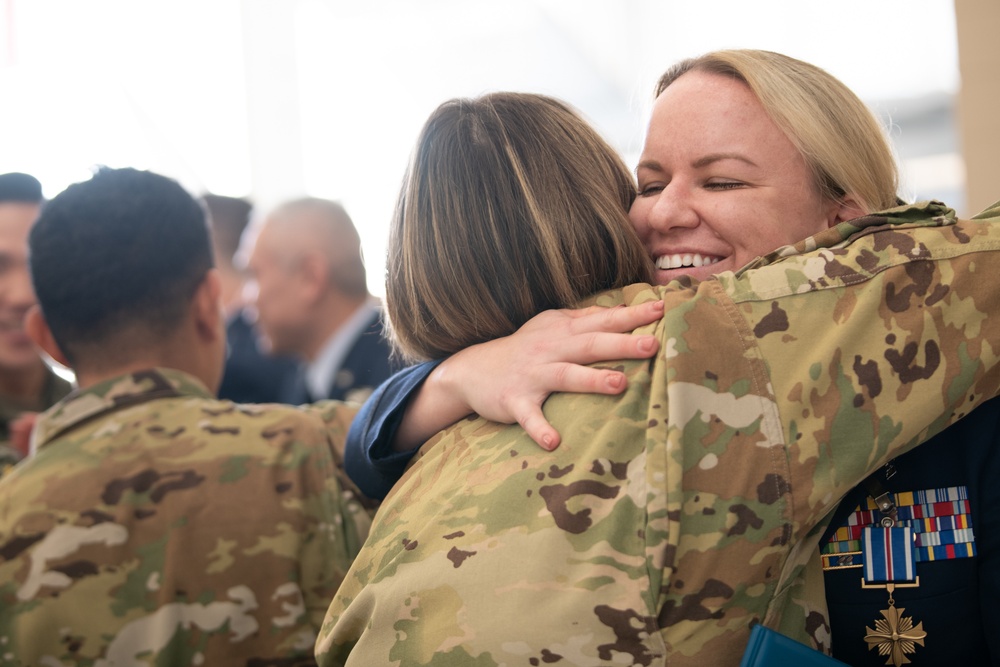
(507, 380)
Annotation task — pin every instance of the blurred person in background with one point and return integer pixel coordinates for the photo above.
(251, 375)
(312, 302)
(27, 383)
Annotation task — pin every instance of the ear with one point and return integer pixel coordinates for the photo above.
(38, 331)
(206, 307)
(843, 209)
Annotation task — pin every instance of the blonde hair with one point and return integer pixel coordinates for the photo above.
(512, 204)
(839, 137)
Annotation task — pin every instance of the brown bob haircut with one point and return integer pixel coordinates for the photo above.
(512, 204)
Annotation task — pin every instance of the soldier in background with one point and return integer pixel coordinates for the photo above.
(156, 523)
(27, 384)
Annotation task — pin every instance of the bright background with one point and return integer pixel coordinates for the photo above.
(273, 99)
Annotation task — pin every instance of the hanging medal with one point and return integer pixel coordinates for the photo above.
(889, 564)
(875, 539)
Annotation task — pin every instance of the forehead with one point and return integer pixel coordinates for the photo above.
(708, 112)
(16, 219)
(272, 245)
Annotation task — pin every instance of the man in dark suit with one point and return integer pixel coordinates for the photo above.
(313, 301)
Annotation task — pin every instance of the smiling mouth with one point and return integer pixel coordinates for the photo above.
(683, 260)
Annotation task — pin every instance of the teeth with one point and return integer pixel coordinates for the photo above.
(687, 259)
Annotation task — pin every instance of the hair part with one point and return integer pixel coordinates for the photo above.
(840, 139)
(511, 204)
(115, 262)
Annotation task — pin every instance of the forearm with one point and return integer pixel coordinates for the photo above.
(370, 458)
(435, 405)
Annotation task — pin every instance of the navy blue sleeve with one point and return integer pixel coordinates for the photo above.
(369, 459)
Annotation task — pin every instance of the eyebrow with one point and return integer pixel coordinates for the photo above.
(700, 162)
(718, 157)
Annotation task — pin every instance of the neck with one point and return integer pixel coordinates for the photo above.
(331, 316)
(177, 354)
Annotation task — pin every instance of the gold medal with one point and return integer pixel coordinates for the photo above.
(894, 635)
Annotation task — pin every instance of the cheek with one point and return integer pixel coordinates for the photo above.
(806, 214)
(267, 296)
(637, 215)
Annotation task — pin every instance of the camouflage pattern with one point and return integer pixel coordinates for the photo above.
(159, 526)
(54, 389)
(675, 516)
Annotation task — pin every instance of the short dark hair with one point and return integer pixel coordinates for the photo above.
(18, 187)
(122, 252)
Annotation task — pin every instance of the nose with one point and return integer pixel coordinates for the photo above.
(16, 287)
(672, 209)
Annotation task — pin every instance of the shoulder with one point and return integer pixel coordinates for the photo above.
(275, 421)
(272, 434)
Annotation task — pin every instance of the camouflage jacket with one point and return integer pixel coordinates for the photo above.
(675, 516)
(157, 525)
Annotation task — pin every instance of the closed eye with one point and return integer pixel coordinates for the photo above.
(726, 185)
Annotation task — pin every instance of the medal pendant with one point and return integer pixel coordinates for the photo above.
(894, 635)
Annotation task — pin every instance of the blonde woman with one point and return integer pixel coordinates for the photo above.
(678, 513)
(699, 217)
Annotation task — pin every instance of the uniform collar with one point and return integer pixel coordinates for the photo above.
(920, 214)
(122, 391)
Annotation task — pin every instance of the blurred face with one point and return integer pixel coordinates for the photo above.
(16, 293)
(719, 183)
(276, 292)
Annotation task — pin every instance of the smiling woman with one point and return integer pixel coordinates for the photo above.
(731, 181)
(735, 165)
(683, 511)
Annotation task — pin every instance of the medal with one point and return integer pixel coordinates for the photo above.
(887, 535)
(889, 561)
(894, 635)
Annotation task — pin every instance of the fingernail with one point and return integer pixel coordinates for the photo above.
(647, 344)
(616, 380)
(547, 442)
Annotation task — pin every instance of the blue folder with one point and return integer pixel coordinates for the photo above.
(768, 648)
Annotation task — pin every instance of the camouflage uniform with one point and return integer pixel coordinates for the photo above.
(157, 525)
(54, 389)
(678, 514)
